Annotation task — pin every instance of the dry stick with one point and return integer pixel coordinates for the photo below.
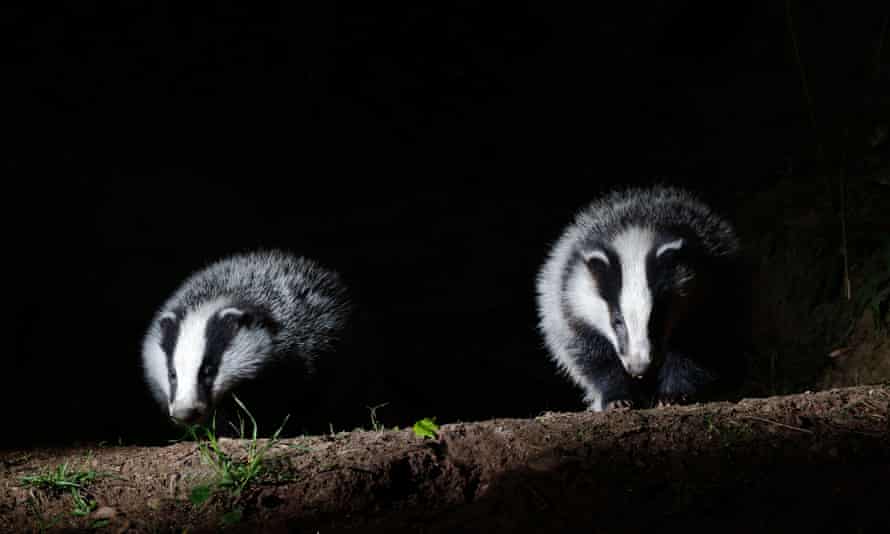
(754, 417)
(806, 93)
(803, 81)
(843, 182)
(186, 455)
(812, 113)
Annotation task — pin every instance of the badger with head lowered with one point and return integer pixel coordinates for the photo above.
(639, 300)
(256, 324)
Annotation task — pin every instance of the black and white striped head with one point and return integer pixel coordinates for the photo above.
(193, 357)
(623, 284)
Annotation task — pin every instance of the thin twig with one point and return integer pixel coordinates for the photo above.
(186, 455)
(360, 470)
(843, 186)
(803, 81)
(777, 423)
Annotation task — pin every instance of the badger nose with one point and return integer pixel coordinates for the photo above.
(637, 369)
(188, 414)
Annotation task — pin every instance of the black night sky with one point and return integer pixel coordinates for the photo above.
(431, 153)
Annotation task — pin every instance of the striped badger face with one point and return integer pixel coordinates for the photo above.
(200, 354)
(627, 288)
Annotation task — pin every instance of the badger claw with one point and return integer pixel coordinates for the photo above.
(620, 404)
(670, 400)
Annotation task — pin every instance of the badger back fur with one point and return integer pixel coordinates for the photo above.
(636, 300)
(248, 318)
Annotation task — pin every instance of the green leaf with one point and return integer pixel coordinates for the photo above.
(100, 523)
(426, 428)
(199, 494)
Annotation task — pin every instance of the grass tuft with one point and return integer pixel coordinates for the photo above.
(232, 475)
(63, 479)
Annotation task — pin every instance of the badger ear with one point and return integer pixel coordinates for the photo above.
(245, 316)
(677, 244)
(169, 320)
(234, 312)
(596, 255)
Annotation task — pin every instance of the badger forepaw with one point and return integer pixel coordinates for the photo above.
(663, 401)
(619, 404)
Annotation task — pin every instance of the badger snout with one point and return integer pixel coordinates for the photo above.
(637, 365)
(189, 414)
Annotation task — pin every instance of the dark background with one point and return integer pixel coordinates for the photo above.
(430, 154)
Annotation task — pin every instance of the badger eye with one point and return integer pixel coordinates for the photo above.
(171, 375)
(617, 321)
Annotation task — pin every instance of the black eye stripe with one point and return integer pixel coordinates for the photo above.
(608, 277)
(219, 334)
(170, 330)
(169, 334)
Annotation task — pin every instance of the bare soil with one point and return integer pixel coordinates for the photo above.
(814, 461)
(864, 358)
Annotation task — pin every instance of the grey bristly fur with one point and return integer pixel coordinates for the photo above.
(228, 322)
(639, 260)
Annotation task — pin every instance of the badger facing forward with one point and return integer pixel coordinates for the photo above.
(261, 315)
(639, 300)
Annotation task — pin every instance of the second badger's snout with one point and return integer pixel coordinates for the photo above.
(637, 365)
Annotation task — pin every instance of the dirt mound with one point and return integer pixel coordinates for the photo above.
(816, 460)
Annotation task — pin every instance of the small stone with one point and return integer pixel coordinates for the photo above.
(104, 512)
(544, 463)
(21, 495)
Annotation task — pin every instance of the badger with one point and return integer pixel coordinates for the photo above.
(240, 325)
(638, 301)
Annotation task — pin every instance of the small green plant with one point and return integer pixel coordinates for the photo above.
(712, 430)
(376, 426)
(82, 505)
(426, 428)
(231, 475)
(64, 479)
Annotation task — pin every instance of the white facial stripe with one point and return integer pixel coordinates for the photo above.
(673, 245)
(635, 300)
(155, 365)
(596, 254)
(189, 353)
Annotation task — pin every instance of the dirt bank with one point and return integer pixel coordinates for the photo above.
(819, 461)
